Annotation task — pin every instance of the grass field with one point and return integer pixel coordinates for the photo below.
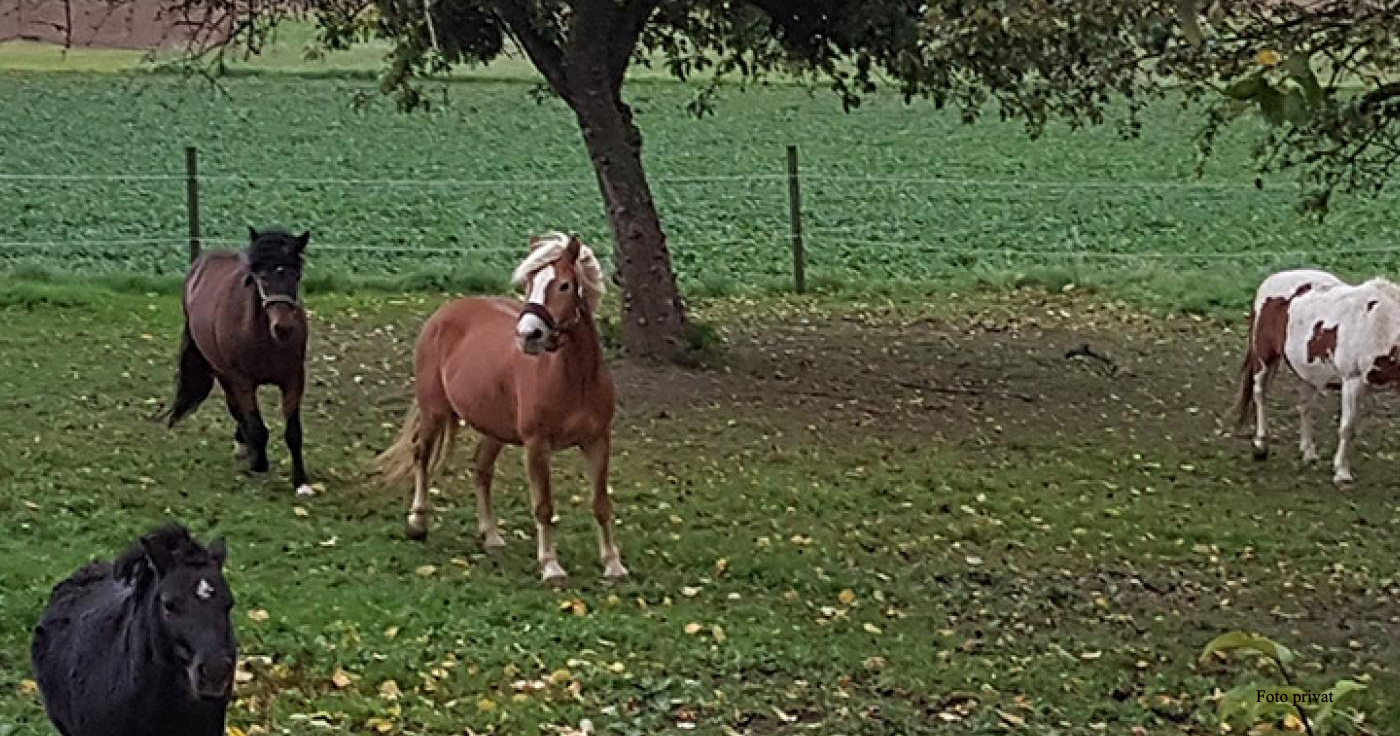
(1025, 538)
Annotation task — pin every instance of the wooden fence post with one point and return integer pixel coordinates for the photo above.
(192, 198)
(799, 252)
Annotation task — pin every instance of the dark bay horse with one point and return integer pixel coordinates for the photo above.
(141, 646)
(520, 373)
(245, 327)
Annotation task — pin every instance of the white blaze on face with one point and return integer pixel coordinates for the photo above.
(204, 591)
(530, 324)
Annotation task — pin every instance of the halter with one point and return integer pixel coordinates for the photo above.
(556, 331)
(270, 299)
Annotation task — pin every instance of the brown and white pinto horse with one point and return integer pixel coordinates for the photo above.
(520, 373)
(1330, 334)
(245, 327)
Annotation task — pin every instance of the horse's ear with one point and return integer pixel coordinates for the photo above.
(575, 245)
(157, 554)
(248, 279)
(302, 240)
(218, 550)
(252, 234)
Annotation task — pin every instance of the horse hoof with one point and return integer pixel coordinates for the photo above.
(557, 581)
(240, 451)
(305, 491)
(417, 532)
(1342, 479)
(1261, 453)
(1309, 458)
(615, 571)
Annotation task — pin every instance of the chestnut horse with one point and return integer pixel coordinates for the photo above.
(520, 373)
(245, 327)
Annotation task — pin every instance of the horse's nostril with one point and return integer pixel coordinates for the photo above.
(535, 334)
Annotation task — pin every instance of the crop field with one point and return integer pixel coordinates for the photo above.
(893, 194)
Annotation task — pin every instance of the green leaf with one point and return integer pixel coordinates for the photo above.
(1247, 88)
(1271, 105)
(1296, 109)
(1252, 701)
(1299, 68)
(1188, 13)
(1340, 690)
(1246, 640)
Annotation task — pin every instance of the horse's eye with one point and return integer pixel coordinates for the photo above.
(564, 286)
(167, 605)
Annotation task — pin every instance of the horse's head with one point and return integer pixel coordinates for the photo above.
(563, 286)
(186, 603)
(274, 260)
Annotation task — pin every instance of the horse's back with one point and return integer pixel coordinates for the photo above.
(1293, 283)
(74, 631)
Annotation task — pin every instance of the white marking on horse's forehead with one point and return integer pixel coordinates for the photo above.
(539, 286)
(204, 591)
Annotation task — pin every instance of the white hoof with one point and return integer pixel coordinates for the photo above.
(554, 574)
(305, 491)
(491, 540)
(1310, 456)
(614, 570)
(240, 450)
(1342, 477)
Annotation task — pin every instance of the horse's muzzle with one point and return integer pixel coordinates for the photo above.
(212, 680)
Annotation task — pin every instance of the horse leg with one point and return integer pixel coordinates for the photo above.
(291, 412)
(1261, 432)
(1353, 390)
(1307, 398)
(431, 431)
(242, 400)
(542, 500)
(597, 455)
(485, 461)
(240, 443)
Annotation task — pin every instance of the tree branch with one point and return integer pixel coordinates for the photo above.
(544, 53)
(633, 20)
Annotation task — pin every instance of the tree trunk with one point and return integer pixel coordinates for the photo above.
(653, 317)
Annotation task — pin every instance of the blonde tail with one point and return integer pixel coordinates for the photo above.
(396, 464)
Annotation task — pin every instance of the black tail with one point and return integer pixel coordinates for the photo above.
(193, 382)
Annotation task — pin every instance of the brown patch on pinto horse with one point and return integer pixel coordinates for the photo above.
(1385, 369)
(1268, 333)
(1323, 342)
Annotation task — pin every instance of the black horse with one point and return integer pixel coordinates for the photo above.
(140, 647)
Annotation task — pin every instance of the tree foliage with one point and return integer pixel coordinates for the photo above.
(1322, 73)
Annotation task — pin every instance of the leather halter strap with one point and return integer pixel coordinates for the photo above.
(270, 299)
(540, 312)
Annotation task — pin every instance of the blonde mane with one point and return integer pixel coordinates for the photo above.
(549, 248)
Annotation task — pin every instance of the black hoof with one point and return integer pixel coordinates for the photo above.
(417, 534)
(1261, 453)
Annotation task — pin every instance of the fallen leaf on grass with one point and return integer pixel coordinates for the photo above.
(28, 687)
(1011, 718)
(341, 679)
(693, 628)
(425, 571)
(258, 615)
(847, 597)
(574, 606)
(389, 690)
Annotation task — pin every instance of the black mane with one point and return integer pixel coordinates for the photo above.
(173, 538)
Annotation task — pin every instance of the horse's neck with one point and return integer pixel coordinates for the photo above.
(581, 356)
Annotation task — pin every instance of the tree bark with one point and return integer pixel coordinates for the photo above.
(653, 316)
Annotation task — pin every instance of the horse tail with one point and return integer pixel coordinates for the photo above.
(193, 381)
(1245, 403)
(415, 440)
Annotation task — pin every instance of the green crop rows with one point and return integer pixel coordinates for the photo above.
(495, 165)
